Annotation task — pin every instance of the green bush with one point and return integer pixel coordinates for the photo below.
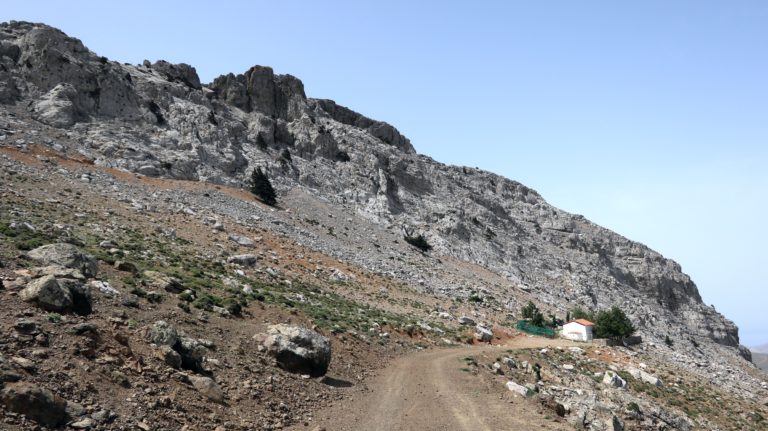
(184, 306)
(633, 407)
(232, 305)
(206, 302)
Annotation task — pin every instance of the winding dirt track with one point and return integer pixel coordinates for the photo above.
(429, 391)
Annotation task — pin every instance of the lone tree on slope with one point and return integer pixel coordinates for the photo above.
(261, 187)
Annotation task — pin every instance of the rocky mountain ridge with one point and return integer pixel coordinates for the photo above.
(158, 120)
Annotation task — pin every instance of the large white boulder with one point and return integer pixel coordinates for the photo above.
(298, 349)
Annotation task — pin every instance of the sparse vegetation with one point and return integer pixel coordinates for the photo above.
(419, 242)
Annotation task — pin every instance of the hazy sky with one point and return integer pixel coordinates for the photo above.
(649, 118)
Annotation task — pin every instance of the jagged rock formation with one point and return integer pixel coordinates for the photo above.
(157, 119)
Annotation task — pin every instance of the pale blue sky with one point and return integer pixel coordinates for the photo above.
(650, 118)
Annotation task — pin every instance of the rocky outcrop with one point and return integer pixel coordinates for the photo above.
(56, 108)
(379, 129)
(259, 89)
(182, 73)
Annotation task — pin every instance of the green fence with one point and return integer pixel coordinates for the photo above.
(525, 326)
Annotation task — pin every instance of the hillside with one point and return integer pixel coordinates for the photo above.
(146, 165)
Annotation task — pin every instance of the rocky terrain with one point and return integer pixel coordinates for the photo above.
(143, 170)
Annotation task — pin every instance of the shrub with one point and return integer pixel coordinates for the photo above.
(286, 155)
(668, 341)
(261, 187)
(155, 109)
(342, 156)
(212, 118)
(261, 142)
(419, 242)
(206, 302)
(232, 305)
(474, 298)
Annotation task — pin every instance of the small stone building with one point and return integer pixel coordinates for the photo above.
(578, 330)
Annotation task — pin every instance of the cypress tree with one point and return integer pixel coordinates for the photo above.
(261, 187)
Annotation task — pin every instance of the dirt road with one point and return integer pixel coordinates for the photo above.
(430, 391)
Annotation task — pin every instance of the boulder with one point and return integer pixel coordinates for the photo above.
(483, 334)
(36, 403)
(612, 379)
(48, 294)
(644, 376)
(160, 281)
(192, 353)
(66, 255)
(208, 387)
(518, 389)
(299, 350)
(83, 424)
(82, 300)
(8, 371)
(26, 327)
(169, 356)
(509, 362)
(243, 259)
(122, 265)
(105, 288)
(57, 271)
(163, 334)
(466, 321)
(242, 240)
